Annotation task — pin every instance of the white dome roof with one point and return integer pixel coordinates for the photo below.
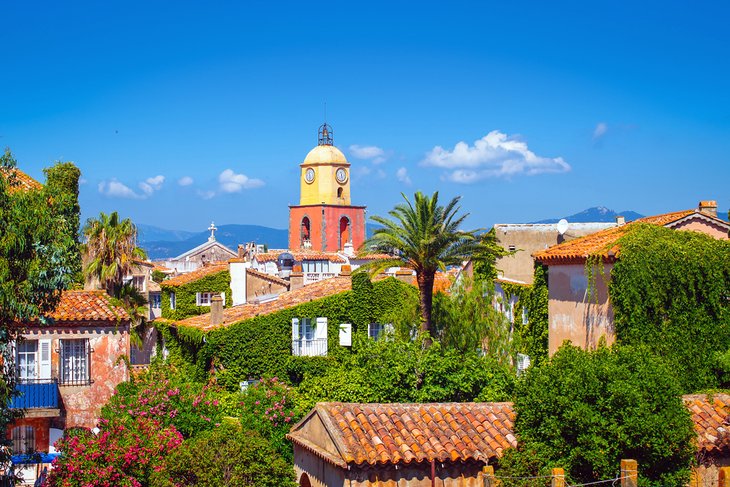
(325, 154)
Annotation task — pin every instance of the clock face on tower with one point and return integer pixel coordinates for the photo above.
(309, 175)
(341, 175)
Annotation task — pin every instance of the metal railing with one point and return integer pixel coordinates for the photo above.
(316, 347)
(35, 393)
(311, 277)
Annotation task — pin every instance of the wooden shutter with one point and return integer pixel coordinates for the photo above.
(346, 335)
(295, 329)
(320, 331)
(44, 359)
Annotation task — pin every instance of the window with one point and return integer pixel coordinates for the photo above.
(172, 300)
(376, 330)
(307, 329)
(156, 300)
(23, 439)
(27, 359)
(138, 283)
(203, 299)
(75, 359)
(316, 266)
(512, 248)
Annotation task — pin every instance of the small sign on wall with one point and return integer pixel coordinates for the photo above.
(345, 335)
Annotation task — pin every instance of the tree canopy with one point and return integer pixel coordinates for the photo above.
(585, 411)
(424, 236)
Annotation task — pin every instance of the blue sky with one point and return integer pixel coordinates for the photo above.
(528, 110)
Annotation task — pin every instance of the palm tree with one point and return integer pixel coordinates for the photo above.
(425, 237)
(110, 249)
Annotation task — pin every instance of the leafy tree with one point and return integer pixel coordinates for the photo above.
(466, 320)
(425, 237)
(135, 304)
(585, 411)
(110, 249)
(485, 258)
(62, 184)
(158, 276)
(38, 255)
(395, 370)
(226, 455)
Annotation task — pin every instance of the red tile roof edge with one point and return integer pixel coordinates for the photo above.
(193, 276)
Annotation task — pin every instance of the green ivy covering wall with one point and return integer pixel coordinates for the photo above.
(670, 290)
(185, 295)
(261, 346)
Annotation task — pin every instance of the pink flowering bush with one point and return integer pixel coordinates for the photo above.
(162, 395)
(119, 455)
(269, 407)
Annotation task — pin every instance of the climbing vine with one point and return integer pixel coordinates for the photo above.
(670, 290)
(534, 333)
(261, 346)
(185, 295)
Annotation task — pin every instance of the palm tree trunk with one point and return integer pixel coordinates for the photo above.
(425, 291)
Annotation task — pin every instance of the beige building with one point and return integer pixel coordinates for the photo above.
(408, 445)
(573, 314)
(525, 239)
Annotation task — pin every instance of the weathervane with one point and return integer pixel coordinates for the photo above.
(212, 229)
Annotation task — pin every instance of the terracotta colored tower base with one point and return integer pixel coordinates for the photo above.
(326, 227)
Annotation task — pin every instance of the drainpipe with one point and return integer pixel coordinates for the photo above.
(433, 473)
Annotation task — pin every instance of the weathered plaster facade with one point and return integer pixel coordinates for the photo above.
(577, 313)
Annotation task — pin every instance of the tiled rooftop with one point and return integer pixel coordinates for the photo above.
(300, 255)
(317, 290)
(22, 180)
(602, 243)
(268, 277)
(193, 276)
(87, 306)
(405, 433)
(711, 418)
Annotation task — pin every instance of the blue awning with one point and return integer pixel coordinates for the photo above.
(37, 458)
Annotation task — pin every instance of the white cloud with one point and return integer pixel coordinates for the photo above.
(206, 195)
(115, 189)
(150, 185)
(494, 155)
(363, 171)
(402, 175)
(185, 181)
(600, 130)
(376, 154)
(82, 181)
(231, 182)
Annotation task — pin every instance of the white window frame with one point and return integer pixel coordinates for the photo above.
(173, 301)
(27, 360)
(203, 298)
(75, 362)
(156, 300)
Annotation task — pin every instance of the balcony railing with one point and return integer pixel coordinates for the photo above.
(316, 347)
(35, 393)
(310, 277)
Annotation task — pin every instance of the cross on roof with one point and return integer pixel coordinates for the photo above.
(212, 229)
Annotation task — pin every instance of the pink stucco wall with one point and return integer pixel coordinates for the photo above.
(575, 315)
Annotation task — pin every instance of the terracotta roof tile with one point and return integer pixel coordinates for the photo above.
(193, 276)
(404, 433)
(87, 306)
(711, 418)
(22, 182)
(603, 242)
(300, 255)
(317, 290)
(268, 277)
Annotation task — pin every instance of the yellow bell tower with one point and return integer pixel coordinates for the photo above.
(325, 173)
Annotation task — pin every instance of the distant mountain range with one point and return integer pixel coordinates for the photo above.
(596, 214)
(160, 243)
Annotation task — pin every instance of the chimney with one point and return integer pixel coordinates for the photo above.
(216, 310)
(296, 278)
(346, 270)
(241, 251)
(708, 207)
(620, 220)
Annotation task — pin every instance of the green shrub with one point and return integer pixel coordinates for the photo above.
(585, 411)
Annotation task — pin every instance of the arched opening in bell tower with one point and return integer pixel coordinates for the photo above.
(306, 235)
(344, 232)
(339, 192)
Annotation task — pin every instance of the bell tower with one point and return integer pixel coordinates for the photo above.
(325, 218)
